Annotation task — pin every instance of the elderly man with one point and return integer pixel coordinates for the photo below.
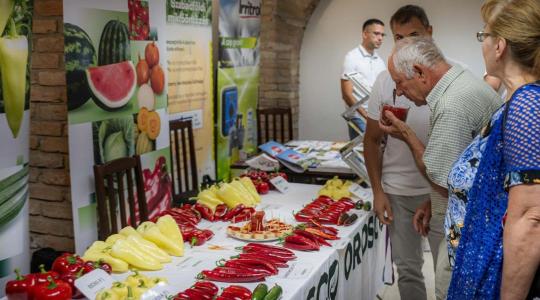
(460, 106)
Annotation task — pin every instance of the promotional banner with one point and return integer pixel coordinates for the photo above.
(131, 66)
(237, 81)
(15, 53)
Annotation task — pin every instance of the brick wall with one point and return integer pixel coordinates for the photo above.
(51, 222)
(282, 29)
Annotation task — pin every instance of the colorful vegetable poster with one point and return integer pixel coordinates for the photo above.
(237, 81)
(15, 45)
(116, 73)
(190, 85)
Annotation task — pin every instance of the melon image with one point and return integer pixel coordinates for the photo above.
(114, 44)
(112, 86)
(79, 54)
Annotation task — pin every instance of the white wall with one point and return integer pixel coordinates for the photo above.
(335, 28)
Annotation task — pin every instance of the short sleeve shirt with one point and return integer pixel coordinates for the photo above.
(358, 60)
(461, 104)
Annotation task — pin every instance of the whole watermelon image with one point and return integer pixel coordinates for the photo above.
(114, 45)
(112, 86)
(79, 54)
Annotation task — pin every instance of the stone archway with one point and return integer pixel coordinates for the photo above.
(282, 30)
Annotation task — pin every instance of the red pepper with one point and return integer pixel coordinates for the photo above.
(262, 187)
(182, 296)
(271, 247)
(207, 285)
(317, 239)
(70, 278)
(241, 217)
(205, 211)
(42, 277)
(326, 229)
(54, 290)
(233, 212)
(328, 219)
(67, 263)
(320, 233)
(298, 242)
(195, 294)
(302, 217)
(21, 288)
(325, 199)
(226, 274)
(199, 237)
(279, 263)
(252, 263)
(221, 211)
(237, 292)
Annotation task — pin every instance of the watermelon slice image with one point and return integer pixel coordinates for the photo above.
(112, 85)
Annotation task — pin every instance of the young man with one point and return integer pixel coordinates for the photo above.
(398, 186)
(364, 60)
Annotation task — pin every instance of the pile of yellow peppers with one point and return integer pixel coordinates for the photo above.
(146, 248)
(132, 288)
(336, 188)
(238, 191)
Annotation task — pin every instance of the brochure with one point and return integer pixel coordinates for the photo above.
(296, 161)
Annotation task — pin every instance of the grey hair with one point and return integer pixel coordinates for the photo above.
(415, 50)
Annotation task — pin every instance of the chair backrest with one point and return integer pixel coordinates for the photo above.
(115, 181)
(184, 162)
(273, 120)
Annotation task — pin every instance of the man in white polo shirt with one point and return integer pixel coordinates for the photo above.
(364, 60)
(398, 186)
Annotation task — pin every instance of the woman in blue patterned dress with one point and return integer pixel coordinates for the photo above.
(494, 195)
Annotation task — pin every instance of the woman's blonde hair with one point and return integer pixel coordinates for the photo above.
(518, 22)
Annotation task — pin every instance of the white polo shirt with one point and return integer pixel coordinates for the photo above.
(400, 175)
(361, 61)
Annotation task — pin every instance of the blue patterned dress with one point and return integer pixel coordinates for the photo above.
(460, 180)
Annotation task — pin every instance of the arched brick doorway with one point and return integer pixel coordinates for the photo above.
(282, 29)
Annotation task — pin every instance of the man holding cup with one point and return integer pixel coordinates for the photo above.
(460, 106)
(398, 187)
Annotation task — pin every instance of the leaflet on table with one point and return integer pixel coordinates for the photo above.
(291, 159)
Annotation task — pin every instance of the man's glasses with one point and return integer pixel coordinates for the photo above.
(481, 36)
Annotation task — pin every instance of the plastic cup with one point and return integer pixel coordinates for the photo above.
(399, 111)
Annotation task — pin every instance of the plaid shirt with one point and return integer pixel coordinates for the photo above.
(461, 105)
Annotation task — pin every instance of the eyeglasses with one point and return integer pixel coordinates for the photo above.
(481, 36)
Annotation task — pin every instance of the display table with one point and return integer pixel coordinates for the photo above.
(351, 269)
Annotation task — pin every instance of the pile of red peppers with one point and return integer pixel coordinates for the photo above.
(257, 262)
(187, 218)
(57, 284)
(205, 290)
(327, 211)
(261, 180)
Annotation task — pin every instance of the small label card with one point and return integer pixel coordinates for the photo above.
(92, 283)
(359, 191)
(160, 292)
(281, 184)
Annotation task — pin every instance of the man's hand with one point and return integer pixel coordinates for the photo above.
(421, 218)
(393, 126)
(381, 205)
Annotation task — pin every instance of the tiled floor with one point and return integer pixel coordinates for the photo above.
(392, 292)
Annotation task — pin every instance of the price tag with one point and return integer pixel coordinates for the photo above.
(359, 191)
(159, 292)
(92, 283)
(281, 184)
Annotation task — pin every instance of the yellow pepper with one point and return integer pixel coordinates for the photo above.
(230, 196)
(107, 294)
(151, 232)
(137, 279)
(125, 250)
(128, 230)
(244, 192)
(149, 248)
(113, 238)
(101, 251)
(120, 289)
(13, 61)
(248, 184)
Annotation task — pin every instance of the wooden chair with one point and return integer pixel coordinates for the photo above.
(274, 120)
(114, 181)
(184, 162)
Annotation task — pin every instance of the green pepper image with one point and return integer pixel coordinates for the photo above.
(13, 61)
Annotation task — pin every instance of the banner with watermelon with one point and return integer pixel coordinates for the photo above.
(15, 45)
(120, 58)
(237, 82)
